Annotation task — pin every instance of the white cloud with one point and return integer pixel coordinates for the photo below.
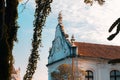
(90, 23)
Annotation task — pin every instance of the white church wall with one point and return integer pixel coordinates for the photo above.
(84, 64)
(100, 68)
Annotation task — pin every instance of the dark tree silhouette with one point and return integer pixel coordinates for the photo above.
(115, 24)
(8, 32)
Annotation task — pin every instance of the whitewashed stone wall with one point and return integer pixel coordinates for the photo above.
(100, 67)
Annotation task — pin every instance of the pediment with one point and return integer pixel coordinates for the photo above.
(60, 46)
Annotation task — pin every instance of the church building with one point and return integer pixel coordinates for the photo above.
(99, 61)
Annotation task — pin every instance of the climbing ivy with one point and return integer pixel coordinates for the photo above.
(42, 10)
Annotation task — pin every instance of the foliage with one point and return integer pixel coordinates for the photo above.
(42, 10)
(100, 2)
(11, 16)
(8, 32)
(65, 71)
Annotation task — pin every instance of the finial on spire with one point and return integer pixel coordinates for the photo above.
(60, 17)
(72, 39)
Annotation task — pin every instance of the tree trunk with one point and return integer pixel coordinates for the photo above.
(8, 32)
(10, 20)
(4, 49)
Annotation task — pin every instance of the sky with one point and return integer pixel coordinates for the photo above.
(87, 23)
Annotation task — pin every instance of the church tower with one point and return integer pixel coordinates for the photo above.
(61, 50)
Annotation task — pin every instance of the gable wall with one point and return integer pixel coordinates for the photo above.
(60, 47)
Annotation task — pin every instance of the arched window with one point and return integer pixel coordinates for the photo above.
(115, 75)
(89, 75)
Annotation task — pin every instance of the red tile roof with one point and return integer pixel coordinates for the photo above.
(98, 50)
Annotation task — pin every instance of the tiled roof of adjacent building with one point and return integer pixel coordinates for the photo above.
(98, 50)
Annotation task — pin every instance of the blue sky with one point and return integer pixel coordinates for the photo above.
(87, 23)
